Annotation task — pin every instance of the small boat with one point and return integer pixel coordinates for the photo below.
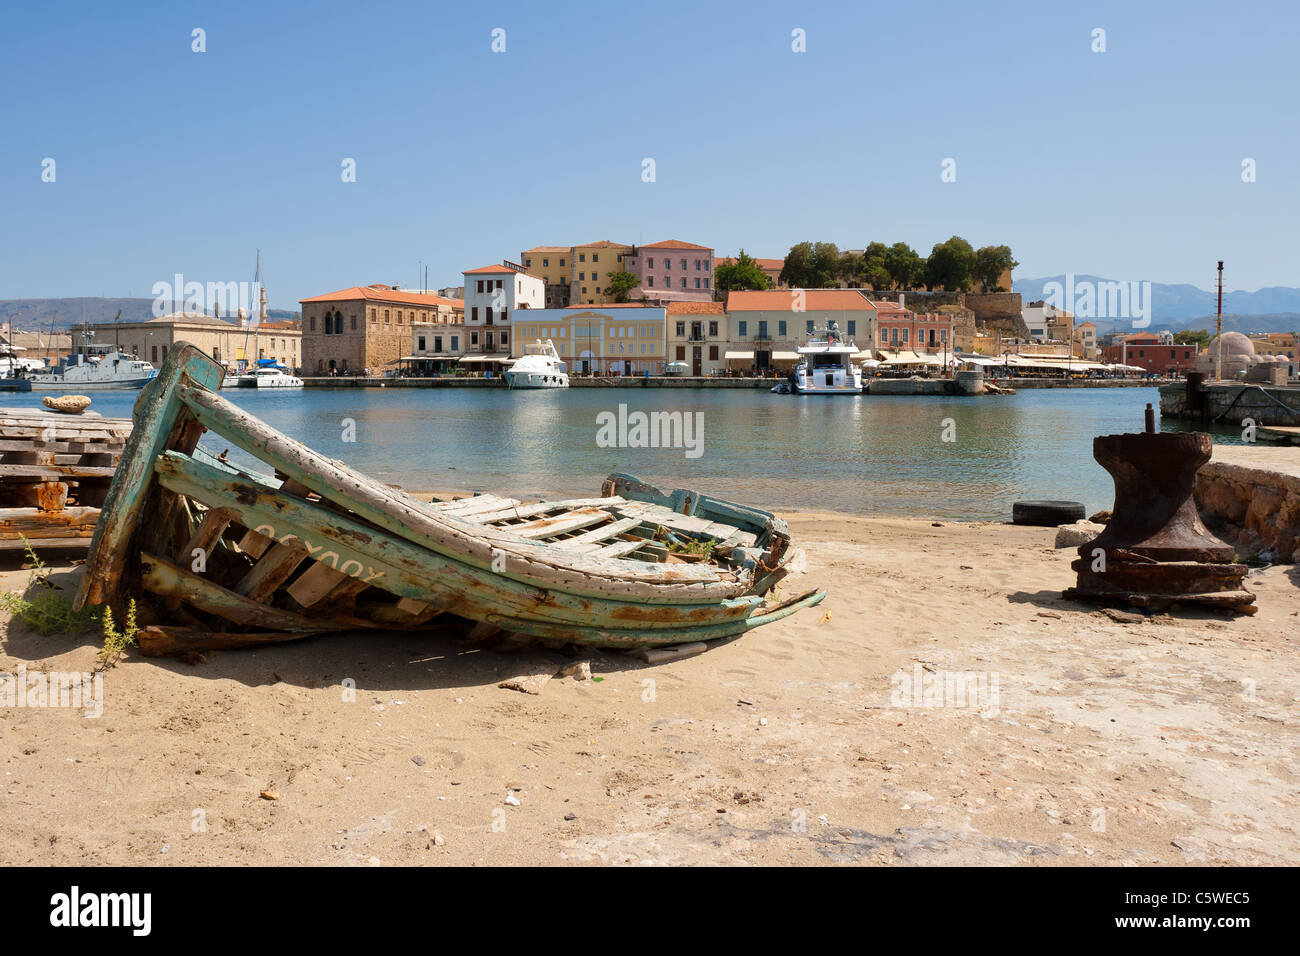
(677, 368)
(230, 558)
(827, 365)
(539, 367)
(97, 367)
(268, 374)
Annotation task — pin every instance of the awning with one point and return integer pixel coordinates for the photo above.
(904, 357)
(738, 355)
(485, 358)
(785, 356)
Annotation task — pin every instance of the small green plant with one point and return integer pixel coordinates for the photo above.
(694, 546)
(44, 608)
(115, 641)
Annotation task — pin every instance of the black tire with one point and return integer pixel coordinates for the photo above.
(1047, 514)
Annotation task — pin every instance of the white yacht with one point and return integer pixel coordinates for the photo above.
(264, 376)
(539, 367)
(827, 365)
(109, 369)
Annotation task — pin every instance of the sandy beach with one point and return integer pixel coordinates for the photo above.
(1167, 741)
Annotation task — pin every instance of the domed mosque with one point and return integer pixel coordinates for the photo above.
(1238, 355)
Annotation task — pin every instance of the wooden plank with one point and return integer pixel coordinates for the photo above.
(463, 506)
(206, 535)
(622, 548)
(170, 641)
(254, 544)
(162, 577)
(591, 539)
(540, 508)
(55, 471)
(552, 525)
(315, 583)
(156, 411)
(271, 571)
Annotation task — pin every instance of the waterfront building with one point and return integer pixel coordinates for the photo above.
(226, 342)
(1154, 351)
(899, 329)
(551, 264)
(436, 348)
(696, 333)
(493, 294)
(611, 339)
(963, 326)
(50, 346)
(589, 269)
(671, 271)
(765, 329)
(366, 327)
(1085, 340)
(1047, 323)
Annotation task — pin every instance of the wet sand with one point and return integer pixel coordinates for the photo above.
(1168, 741)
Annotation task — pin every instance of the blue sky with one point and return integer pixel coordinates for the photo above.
(1125, 163)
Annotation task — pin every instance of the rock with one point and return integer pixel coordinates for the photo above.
(1122, 617)
(570, 816)
(436, 839)
(418, 760)
(1077, 534)
(270, 794)
(1101, 517)
(527, 683)
(512, 800)
(68, 404)
(579, 671)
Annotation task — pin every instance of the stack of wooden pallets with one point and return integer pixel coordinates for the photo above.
(55, 471)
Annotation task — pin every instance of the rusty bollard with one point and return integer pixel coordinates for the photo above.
(1155, 550)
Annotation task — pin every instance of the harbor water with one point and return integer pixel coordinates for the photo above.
(931, 456)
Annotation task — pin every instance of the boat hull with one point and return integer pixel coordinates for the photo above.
(326, 548)
(535, 379)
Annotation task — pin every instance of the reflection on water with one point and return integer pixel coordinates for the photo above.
(882, 455)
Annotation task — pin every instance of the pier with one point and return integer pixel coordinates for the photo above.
(1231, 402)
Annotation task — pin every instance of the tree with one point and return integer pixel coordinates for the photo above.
(906, 269)
(990, 263)
(811, 265)
(744, 273)
(620, 284)
(1198, 337)
(874, 271)
(950, 266)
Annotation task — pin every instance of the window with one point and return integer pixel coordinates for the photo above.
(386, 319)
(884, 336)
(853, 327)
(473, 313)
(697, 283)
(505, 338)
(473, 338)
(313, 323)
(420, 346)
(595, 257)
(455, 343)
(487, 313)
(713, 328)
(528, 263)
(681, 328)
(545, 263)
(744, 328)
(582, 257)
(810, 326)
(582, 277)
(713, 353)
(780, 328)
(706, 283)
(437, 344)
(505, 315)
(668, 263)
(905, 331)
(943, 336)
(652, 282)
(480, 285)
(762, 329)
(697, 265)
(561, 263)
(893, 337)
(374, 316)
(681, 352)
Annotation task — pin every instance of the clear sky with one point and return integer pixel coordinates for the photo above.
(1126, 163)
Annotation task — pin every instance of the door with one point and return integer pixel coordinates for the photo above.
(697, 360)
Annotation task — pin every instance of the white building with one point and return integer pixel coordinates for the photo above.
(1047, 323)
(493, 294)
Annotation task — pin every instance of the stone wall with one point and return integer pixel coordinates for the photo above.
(1249, 495)
(1264, 405)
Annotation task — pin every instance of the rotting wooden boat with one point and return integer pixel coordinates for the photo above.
(219, 557)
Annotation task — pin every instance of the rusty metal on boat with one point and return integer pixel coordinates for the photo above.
(219, 557)
(1155, 551)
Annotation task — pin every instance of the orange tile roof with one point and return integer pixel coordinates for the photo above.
(610, 305)
(498, 271)
(696, 308)
(776, 300)
(603, 244)
(676, 244)
(547, 249)
(889, 307)
(379, 292)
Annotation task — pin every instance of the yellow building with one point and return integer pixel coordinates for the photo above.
(613, 339)
(551, 264)
(576, 275)
(226, 342)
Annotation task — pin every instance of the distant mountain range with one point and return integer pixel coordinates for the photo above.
(1174, 307)
(33, 314)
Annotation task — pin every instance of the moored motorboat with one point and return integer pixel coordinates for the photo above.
(539, 367)
(826, 366)
(95, 368)
(320, 547)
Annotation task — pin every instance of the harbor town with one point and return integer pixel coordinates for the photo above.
(897, 486)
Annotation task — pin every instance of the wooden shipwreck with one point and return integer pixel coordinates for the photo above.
(55, 471)
(219, 557)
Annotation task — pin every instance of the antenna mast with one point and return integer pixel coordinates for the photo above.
(1218, 327)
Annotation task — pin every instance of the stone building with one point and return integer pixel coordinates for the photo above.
(766, 329)
(367, 327)
(671, 271)
(226, 342)
(696, 333)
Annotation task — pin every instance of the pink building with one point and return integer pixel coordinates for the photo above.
(671, 271)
